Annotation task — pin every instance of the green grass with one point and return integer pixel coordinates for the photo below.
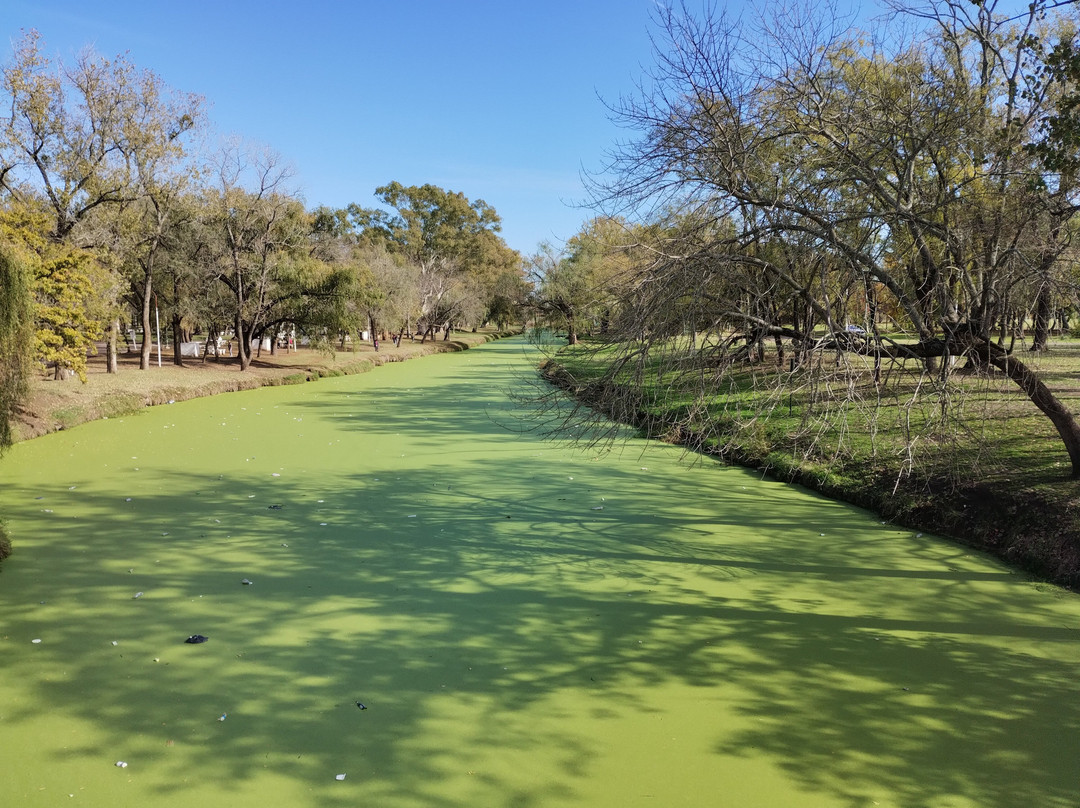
(972, 455)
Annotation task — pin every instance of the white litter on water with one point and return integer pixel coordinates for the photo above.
(336, 777)
(36, 640)
(275, 474)
(137, 595)
(121, 764)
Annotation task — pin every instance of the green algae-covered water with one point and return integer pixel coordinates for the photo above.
(525, 624)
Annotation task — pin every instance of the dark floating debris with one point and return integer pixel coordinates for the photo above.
(275, 507)
(195, 639)
(361, 705)
(245, 582)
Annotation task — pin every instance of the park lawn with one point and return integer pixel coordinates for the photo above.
(989, 470)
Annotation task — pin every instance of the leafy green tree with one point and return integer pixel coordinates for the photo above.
(92, 138)
(388, 295)
(67, 283)
(71, 289)
(582, 285)
(257, 241)
(454, 243)
(564, 288)
(84, 133)
(509, 298)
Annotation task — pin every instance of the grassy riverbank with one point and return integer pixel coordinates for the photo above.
(55, 405)
(991, 473)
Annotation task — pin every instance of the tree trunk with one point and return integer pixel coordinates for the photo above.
(111, 365)
(147, 325)
(1041, 337)
(1041, 397)
(243, 346)
(177, 342)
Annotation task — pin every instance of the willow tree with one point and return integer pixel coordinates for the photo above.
(16, 335)
(845, 164)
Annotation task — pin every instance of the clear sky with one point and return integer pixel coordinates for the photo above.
(497, 99)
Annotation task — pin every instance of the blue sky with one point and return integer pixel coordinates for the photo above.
(498, 100)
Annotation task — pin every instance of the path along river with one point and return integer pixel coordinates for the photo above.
(525, 624)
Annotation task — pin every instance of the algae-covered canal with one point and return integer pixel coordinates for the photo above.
(526, 624)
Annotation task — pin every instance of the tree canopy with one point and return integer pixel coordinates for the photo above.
(112, 213)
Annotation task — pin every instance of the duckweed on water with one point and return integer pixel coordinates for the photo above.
(698, 642)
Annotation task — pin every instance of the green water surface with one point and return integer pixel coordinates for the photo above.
(527, 624)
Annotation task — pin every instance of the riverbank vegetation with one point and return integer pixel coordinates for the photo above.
(50, 406)
(842, 255)
(117, 223)
(988, 471)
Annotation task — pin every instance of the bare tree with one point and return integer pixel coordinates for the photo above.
(825, 178)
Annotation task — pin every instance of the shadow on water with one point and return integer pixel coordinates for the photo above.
(492, 613)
